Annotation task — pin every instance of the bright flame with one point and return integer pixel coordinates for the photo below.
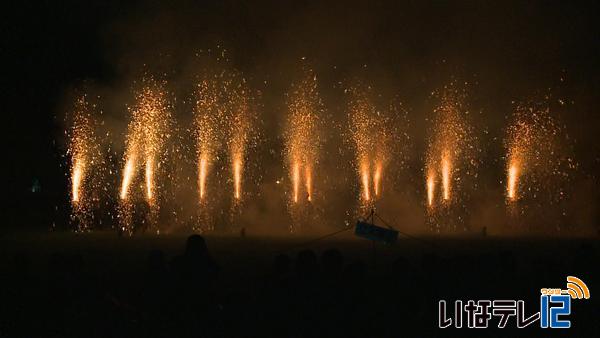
(430, 189)
(302, 146)
(446, 176)
(208, 117)
(451, 152)
(149, 179)
(377, 179)
(147, 134)
(296, 179)
(365, 181)
(86, 163)
(513, 173)
(308, 182)
(237, 177)
(202, 173)
(239, 118)
(371, 133)
(127, 177)
(535, 153)
(77, 177)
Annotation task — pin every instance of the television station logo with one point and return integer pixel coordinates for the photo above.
(555, 306)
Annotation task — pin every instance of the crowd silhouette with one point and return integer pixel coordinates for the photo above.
(306, 294)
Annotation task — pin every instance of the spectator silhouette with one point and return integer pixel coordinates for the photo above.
(331, 294)
(156, 267)
(156, 294)
(278, 294)
(306, 265)
(355, 300)
(281, 266)
(332, 262)
(306, 295)
(195, 290)
(196, 264)
(195, 273)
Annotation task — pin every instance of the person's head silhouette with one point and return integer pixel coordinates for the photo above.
(196, 246)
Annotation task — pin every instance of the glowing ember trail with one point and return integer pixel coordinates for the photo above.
(150, 180)
(237, 176)
(513, 174)
(302, 148)
(127, 176)
(448, 142)
(207, 117)
(362, 129)
(372, 136)
(308, 182)
(302, 137)
(522, 137)
(78, 170)
(532, 150)
(237, 153)
(446, 175)
(450, 160)
(539, 165)
(85, 164)
(377, 179)
(296, 180)
(202, 173)
(240, 124)
(156, 128)
(148, 131)
(365, 181)
(430, 189)
(80, 146)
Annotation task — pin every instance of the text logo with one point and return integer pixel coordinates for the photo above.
(555, 306)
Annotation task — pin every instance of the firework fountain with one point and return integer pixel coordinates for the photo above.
(449, 161)
(302, 146)
(86, 162)
(538, 166)
(240, 123)
(148, 131)
(362, 124)
(207, 118)
(375, 137)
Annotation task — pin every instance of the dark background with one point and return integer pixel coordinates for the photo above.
(510, 50)
(96, 284)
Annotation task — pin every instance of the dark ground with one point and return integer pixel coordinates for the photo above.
(99, 285)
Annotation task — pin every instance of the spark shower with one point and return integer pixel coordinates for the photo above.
(225, 132)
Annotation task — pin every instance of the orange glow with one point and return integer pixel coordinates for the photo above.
(208, 116)
(86, 163)
(149, 180)
(127, 177)
(513, 174)
(147, 134)
(202, 173)
(446, 175)
(302, 135)
(430, 189)
(372, 134)
(237, 177)
(308, 182)
(377, 179)
(77, 177)
(365, 182)
(296, 179)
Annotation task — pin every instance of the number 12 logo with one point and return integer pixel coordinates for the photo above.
(549, 314)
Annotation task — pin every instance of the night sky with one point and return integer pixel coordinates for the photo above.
(509, 50)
